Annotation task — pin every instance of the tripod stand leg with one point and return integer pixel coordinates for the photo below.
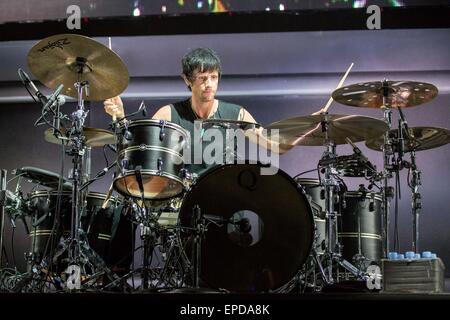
(319, 264)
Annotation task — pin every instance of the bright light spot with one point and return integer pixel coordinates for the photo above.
(199, 4)
(281, 7)
(136, 12)
(267, 9)
(163, 9)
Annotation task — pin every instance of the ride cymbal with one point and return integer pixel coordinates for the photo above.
(70, 58)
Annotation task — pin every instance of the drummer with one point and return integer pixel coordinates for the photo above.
(201, 74)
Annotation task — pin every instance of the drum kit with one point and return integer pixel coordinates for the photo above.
(230, 229)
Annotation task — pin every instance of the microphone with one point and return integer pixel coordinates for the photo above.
(143, 108)
(27, 81)
(54, 97)
(244, 225)
(138, 175)
(356, 150)
(361, 157)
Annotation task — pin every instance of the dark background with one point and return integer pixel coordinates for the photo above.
(275, 75)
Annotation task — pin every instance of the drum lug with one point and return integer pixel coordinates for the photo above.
(123, 165)
(162, 133)
(159, 166)
(127, 134)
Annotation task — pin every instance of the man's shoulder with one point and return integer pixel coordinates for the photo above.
(229, 105)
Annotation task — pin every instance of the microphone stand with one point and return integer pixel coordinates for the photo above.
(416, 205)
(386, 190)
(3, 174)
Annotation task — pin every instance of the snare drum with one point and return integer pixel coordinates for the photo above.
(154, 150)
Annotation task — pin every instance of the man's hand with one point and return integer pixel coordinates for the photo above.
(114, 107)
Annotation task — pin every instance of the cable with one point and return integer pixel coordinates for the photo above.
(12, 247)
(304, 172)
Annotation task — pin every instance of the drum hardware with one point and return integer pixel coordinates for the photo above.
(387, 95)
(85, 65)
(3, 174)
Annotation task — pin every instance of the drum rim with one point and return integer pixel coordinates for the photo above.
(168, 124)
(154, 173)
(368, 195)
(291, 181)
(95, 195)
(146, 147)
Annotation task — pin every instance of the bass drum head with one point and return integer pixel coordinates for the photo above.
(269, 233)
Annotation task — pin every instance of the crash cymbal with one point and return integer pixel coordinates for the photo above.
(68, 58)
(422, 138)
(308, 130)
(94, 137)
(401, 94)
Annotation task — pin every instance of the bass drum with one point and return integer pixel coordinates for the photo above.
(269, 229)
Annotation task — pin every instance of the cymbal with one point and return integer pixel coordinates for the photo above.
(401, 94)
(68, 58)
(422, 138)
(94, 137)
(307, 130)
(43, 177)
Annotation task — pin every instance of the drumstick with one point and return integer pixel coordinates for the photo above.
(325, 109)
(114, 117)
(108, 196)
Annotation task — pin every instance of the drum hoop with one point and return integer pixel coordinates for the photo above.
(358, 194)
(155, 122)
(95, 195)
(145, 147)
(362, 235)
(151, 173)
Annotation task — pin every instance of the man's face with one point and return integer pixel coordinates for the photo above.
(204, 85)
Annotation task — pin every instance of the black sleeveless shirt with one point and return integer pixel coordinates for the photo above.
(183, 115)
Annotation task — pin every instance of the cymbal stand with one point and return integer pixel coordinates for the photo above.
(386, 190)
(333, 248)
(80, 254)
(416, 200)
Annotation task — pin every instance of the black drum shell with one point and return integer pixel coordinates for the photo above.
(157, 148)
(361, 219)
(95, 222)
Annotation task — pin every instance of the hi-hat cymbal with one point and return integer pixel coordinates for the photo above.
(309, 130)
(68, 58)
(401, 94)
(421, 138)
(94, 137)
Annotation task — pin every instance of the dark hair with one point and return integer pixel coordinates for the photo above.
(203, 59)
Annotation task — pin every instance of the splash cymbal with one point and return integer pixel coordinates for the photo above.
(68, 58)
